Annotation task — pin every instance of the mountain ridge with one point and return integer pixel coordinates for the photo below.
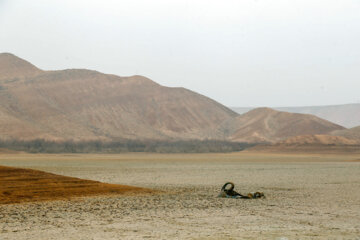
(269, 125)
(86, 105)
(352, 133)
(12, 67)
(347, 115)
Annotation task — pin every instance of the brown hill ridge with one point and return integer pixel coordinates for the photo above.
(352, 133)
(347, 115)
(79, 104)
(268, 125)
(19, 185)
(12, 67)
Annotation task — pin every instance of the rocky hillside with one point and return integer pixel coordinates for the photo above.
(80, 104)
(268, 125)
(347, 115)
(352, 133)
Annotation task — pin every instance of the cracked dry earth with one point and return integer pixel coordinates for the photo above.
(304, 201)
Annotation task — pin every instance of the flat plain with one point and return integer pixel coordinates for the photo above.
(308, 196)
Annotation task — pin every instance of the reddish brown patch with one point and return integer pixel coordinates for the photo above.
(19, 185)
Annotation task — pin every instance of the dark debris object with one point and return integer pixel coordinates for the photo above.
(230, 193)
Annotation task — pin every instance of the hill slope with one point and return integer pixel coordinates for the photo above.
(268, 125)
(352, 133)
(12, 68)
(347, 115)
(80, 104)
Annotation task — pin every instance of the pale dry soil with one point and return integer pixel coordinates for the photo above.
(308, 197)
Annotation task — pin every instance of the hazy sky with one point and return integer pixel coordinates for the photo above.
(240, 53)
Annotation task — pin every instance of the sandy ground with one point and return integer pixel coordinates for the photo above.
(308, 197)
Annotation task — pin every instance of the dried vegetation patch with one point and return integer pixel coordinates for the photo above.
(19, 185)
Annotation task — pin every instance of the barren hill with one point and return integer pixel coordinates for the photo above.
(347, 115)
(268, 125)
(80, 104)
(352, 133)
(12, 67)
